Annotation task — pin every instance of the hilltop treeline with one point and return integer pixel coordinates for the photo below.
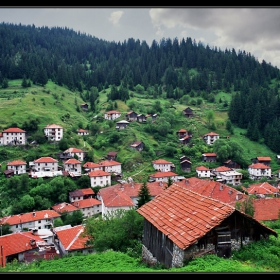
(170, 68)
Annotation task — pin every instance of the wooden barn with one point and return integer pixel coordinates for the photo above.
(180, 224)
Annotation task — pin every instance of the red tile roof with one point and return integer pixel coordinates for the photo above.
(202, 168)
(266, 209)
(163, 174)
(98, 173)
(264, 158)
(222, 169)
(81, 192)
(82, 130)
(29, 217)
(72, 161)
(53, 126)
(186, 216)
(112, 112)
(182, 130)
(16, 162)
(211, 134)
(161, 161)
(45, 159)
(259, 166)
(91, 165)
(109, 163)
(73, 150)
(262, 188)
(13, 129)
(64, 207)
(72, 238)
(86, 203)
(209, 154)
(120, 195)
(183, 215)
(18, 242)
(214, 190)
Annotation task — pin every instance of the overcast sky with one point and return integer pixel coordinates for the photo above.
(254, 30)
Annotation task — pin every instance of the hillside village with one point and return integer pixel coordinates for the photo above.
(48, 241)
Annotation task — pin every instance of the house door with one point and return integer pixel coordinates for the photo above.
(224, 244)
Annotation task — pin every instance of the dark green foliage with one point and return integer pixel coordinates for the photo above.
(119, 230)
(144, 195)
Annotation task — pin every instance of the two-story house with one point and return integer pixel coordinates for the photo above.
(91, 166)
(73, 167)
(80, 194)
(111, 166)
(210, 137)
(99, 178)
(13, 136)
(89, 207)
(258, 171)
(203, 172)
(131, 116)
(37, 219)
(80, 154)
(163, 165)
(227, 175)
(18, 166)
(53, 132)
(112, 115)
(164, 177)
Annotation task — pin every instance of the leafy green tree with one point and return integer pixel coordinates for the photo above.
(247, 206)
(119, 230)
(210, 117)
(74, 218)
(144, 195)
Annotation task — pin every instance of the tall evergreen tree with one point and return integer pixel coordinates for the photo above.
(144, 195)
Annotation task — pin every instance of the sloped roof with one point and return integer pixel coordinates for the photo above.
(259, 166)
(213, 189)
(81, 192)
(186, 216)
(98, 173)
(209, 154)
(221, 169)
(13, 129)
(266, 209)
(64, 207)
(53, 126)
(73, 150)
(109, 163)
(16, 162)
(86, 203)
(163, 174)
(91, 165)
(72, 238)
(72, 161)
(264, 158)
(112, 112)
(161, 161)
(120, 195)
(18, 242)
(45, 159)
(211, 134)
(29, 217)
(262, 188)
(202, 168)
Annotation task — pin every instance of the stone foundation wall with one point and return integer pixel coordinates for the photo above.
(193, 251)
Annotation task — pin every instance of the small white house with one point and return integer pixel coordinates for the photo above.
(203, 172)
(211, 137)
(111, 166)
(258, 171)
(164, 177)
(73, 166)
(112, 115)
(44, 164)
(18, 166)
(76, 152)
(99, 178)
(163, 165)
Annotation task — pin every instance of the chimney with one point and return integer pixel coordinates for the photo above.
(132, 184)
(34, 214)
(187, 181)
(160, 183)
(221, 187)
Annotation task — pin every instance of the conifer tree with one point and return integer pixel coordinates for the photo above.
(144, 195)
